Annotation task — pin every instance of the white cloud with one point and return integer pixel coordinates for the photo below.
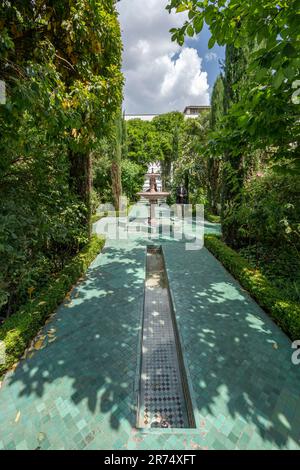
(210, 56)
(160, 76)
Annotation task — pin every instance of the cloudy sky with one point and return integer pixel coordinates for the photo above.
(160, 75)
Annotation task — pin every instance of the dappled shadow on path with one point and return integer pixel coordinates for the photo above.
(93, 357)
(239, 360)
(243, 380)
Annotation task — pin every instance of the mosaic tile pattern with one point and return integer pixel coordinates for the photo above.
(245, 386)
(162, 403)
(79, 390)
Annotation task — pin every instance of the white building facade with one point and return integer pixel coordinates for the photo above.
(192, 111)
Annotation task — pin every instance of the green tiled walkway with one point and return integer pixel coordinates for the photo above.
(79, 390)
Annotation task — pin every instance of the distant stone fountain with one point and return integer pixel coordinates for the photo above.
(152, 195)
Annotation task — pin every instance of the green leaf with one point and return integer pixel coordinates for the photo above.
(278, 78)
(181, 8)
(190, 30)
(290, 72)
(261, 73)
(180, 39)
(211, 42)
(198, 24)
(289, 51)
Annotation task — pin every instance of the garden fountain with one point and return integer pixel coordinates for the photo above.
(152, 195)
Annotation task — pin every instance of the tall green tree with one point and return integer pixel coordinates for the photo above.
(169, 127)
(190, 168)
(268, 106)
(214, 161)
(81, 40)
(116, 151)
(143, 142)
(261, 109)
(60, 61)
(233, 163)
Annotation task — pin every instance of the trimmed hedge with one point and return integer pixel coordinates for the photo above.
(284, 312)
(19, 329)
(215, 219)
(96, 217)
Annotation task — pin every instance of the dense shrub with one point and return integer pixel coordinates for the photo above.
(132, 179)
(270, 211)
(61, 64)
(285, 312)
(280, 266)
(42, 222)
(102, 182)
(21, 327)
(215, 219)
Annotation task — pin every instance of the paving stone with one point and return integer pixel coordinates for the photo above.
(244, 389)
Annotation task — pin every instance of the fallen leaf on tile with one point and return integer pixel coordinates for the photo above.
(41, 437)
(275, 345)
(49, 319)
(39, 343)
(194, 445)
(17, 418)
(14, 366)
(51, 333)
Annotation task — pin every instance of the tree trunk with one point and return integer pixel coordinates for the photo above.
(116, 161)
(81, 182)
(213, 184)
(233, 169)
(186, 184)
(233, 177)
(116, 184)
(166, 167)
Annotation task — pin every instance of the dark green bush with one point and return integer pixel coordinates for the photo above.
(216, 219)
(133, 176)
(281, 266)
(270, 211)
(19, 329)
(285, 312)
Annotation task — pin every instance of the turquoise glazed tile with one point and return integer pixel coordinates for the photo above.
(80, 391)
